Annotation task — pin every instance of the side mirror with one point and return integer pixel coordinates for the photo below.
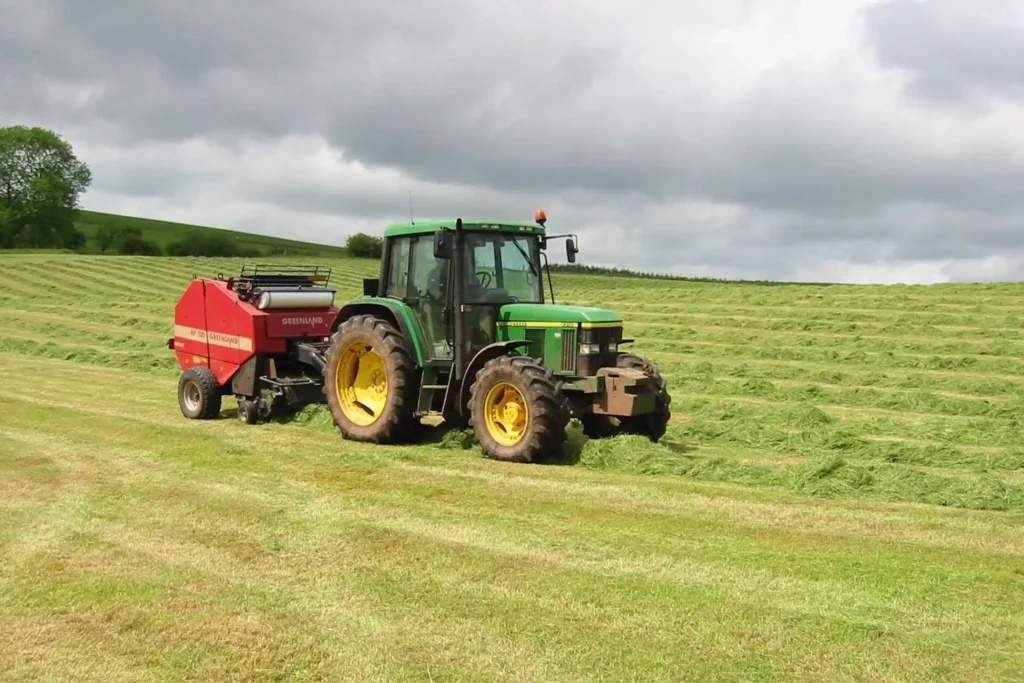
(444, 244)
(570, 250)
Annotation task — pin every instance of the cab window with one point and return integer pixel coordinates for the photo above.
(398, 268)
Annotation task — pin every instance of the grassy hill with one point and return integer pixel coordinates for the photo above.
(163, 233)
(839, 497)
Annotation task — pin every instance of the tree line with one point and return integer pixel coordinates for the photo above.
(131, 241)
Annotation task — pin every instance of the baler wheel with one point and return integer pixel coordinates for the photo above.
(248, 411)
(370, 381)
(519, 411)
(199, 394)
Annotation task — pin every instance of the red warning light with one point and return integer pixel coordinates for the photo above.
(540, 217)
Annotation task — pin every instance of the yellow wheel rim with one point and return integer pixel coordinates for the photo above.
(506, 414)
(361, 383)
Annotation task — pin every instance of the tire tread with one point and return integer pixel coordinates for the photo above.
(209, 390)
(549, 409)
(652, 425)
(398, 423)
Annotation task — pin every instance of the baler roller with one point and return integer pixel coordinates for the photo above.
(270, 299)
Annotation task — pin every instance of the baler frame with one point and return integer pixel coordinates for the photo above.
(250, 279)
(232, 337)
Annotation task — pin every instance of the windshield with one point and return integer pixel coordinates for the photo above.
(501, 268)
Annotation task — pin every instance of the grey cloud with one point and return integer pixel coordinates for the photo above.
(954, 51)
(470, 105)
(493, 110)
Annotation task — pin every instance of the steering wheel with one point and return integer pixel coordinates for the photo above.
(485, 279)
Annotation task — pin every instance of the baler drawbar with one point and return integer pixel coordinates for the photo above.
(260, 337)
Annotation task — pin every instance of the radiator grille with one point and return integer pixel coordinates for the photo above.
(568, 350)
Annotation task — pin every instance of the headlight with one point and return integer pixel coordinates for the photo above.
(587, 349)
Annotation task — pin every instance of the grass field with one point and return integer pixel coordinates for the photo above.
(840, 497)
(163, 233)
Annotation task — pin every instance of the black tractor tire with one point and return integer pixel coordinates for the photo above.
(543, 433)
(199, 395)
(652, 425)
(393, 389)
(600, 426)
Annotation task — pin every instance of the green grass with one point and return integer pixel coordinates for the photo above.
(840, 497)
(164, 233)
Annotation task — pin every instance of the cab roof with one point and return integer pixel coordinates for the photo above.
(432, 226)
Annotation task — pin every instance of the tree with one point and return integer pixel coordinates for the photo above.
(197, 243)
(105, 237)
(131, 242)
(365, 246)
(40, 182)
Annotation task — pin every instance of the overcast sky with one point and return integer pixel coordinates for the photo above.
(785, 139)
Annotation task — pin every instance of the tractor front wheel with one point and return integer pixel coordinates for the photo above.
(370, 381)
(519, 411)
(199, 394)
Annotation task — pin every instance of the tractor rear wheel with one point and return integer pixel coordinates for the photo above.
(519, 411)
(653, 425)
(370, 381)
(199, 394)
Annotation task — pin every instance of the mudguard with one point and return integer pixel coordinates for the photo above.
(479, 360)
(397, 313)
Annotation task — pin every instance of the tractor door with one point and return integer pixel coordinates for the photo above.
(479, 309)
(469, 318)
(428, 277)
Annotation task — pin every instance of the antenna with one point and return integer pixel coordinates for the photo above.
(410, 208)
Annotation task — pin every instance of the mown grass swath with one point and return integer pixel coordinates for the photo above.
(839, 496)
(885, 393)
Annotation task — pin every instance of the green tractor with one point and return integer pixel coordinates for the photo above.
(456, 325)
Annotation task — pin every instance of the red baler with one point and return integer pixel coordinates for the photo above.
(264, 332)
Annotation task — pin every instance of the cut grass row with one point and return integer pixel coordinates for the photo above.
(878, 416)
(21, 333)
(145, 319)
(140, 546)
(707, 420)
(984, 382)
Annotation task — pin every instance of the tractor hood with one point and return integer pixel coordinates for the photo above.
(556, 313)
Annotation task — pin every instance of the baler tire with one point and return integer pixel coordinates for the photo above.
(207, 393)
(542, 438)
(653, 425)
(248, 411)
(396, 422)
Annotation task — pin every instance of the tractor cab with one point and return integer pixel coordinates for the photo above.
(457, 277)
(496, 269)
